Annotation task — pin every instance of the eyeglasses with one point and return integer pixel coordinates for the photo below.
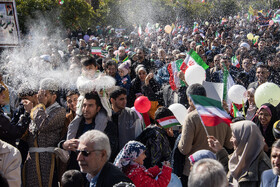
(85, 153)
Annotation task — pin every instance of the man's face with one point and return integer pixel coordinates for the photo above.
(92, 163)
(89, 71)
(226, 62)
(121, 52)
(30, 98)
(140, 54)
(90, 109)
(275, 160)
(120, 102)
(262, 74)
(247, 64)
(111, 70)
(50, 98)
(2, 98)
(72, 102)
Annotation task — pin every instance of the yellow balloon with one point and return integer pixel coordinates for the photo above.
(168, 29)
(256, 37)
(250, 36)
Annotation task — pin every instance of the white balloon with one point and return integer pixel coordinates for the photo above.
(267, 93)
(179, 111)
(237, 94)
(195, 74)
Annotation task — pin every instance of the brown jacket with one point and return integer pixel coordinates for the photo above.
(194, 137)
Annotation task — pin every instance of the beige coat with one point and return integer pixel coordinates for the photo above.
(10, 161)
(194, 137)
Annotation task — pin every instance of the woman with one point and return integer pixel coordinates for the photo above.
(143, 84)
(248, 160)
(250, 106)
(131, 159)
(265, 118)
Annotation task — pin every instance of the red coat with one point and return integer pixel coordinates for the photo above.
(142, 177)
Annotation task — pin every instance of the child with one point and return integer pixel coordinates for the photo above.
(124, 80)
(130, 160)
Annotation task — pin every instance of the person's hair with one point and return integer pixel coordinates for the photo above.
(110, 63)
(276, 144)
(117, 92)
(207, 172)
(99, 139)
(196, 89)
(72, 178)
(72, 92)
(87, 61)
(262, 66)
(95, 96)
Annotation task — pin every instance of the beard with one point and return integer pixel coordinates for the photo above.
(276, 171)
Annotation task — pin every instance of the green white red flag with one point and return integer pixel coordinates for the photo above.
(191, 59)
(173, 69)
(211, 111)
(97, 51)
(235, 62)
(169, 121)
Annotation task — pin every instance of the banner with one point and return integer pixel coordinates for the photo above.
(9, 28)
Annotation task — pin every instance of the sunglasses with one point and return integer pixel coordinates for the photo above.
(85, 153)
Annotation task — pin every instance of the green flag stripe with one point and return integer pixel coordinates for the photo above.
(205, 101)
(198, 59)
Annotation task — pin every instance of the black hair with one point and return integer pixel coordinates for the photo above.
(110, 63)
(95, 96)
(72, 178)
(72, 92)
(117, 92)
(196, 89)
(87, 61)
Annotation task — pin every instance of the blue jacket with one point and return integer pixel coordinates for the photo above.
(269, 179)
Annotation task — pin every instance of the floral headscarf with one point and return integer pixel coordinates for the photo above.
(129, 152)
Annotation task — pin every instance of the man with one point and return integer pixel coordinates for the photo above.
(129, 124)
(122, 54)
(10, 164)
(262, 75)
(218, 75)
(93, 117)
(271, 177)
(71, 99)
(44, 133)
(93, 154)
(208, 172)
(140, 53)
(194, 137)
(111, 68)
(10, 131)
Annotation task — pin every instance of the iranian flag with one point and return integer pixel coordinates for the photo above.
(191, 59)
(211, 111)
(169, 121)
(96, 51)
(235, 62)
(173, 69)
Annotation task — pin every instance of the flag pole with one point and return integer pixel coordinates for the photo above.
(200, 119)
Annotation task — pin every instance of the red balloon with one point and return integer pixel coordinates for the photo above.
(142, 104)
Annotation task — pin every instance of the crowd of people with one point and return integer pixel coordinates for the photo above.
(89, 133)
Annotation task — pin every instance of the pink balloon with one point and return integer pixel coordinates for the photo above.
(271, 22)
(142, 104)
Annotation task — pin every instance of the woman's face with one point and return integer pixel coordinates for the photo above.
(264, 117)
(251, 98)
(233, 141)
(140, 159)
(142, 75)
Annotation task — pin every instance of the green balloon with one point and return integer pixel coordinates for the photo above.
(267, 93)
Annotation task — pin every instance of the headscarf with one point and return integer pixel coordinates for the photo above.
(201, 154)
(249, 146)
(129, 153)
(268, 135)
